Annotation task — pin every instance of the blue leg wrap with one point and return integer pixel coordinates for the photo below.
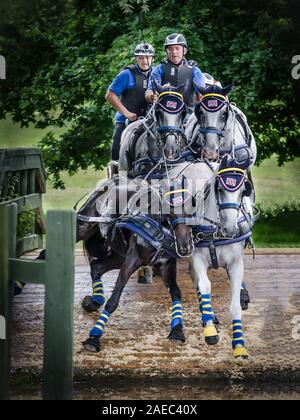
(176, 314)
(98, 329)
(207, 310)
(98, 291)
(237, 333)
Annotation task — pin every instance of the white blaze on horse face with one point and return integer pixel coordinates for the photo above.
(229, 217)
(171, 146)
(212, 140)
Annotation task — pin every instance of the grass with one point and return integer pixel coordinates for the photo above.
(278, 232)
(273, 185)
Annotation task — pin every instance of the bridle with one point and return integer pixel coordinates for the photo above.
(175, 105)
(231, 180)
(221, 101)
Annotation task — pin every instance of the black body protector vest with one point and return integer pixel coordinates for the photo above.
(134, 99)
(178, 75)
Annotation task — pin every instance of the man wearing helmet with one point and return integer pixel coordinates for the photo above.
(127, 94)
(176, 71)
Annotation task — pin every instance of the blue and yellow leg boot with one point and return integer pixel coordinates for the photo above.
(93, 303)
(216, 321)
(177, 322)
(92, 344)
(208, 321)
(238, 343)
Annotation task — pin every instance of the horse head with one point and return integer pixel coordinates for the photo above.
(178, 205)
(170, 111)
(230, 188)
(212, 114)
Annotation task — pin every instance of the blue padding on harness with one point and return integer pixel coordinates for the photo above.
(224, 206)
(165, 128)
(211, 131)
(130, 225)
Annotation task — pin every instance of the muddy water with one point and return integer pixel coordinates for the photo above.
(135, 343)
(173, 392)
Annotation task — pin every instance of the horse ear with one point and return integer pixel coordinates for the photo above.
(157, 87)
(228, 89)
(225, 162)
(244, 164)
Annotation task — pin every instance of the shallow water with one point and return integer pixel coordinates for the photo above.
(177, 392)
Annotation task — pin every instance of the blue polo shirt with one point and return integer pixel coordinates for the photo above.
(123, 81)
(158, 73)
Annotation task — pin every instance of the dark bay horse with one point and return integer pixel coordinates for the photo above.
(123, 249)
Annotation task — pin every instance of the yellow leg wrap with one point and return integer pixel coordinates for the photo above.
(240, 351)
(210, 331)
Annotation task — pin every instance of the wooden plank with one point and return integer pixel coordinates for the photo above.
(27, 244)
(13, 160)
(59, 305)
(24, 183)
(4, 298)
(27, 271)
(31, 181)
(32, 201)
(8, 229)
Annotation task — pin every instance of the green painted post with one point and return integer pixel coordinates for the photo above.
(8, 229)
(59, 305)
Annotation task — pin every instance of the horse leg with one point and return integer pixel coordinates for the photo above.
(169, 277)
(203, 285)
(98, 269)
(131, 263)
(236, 273)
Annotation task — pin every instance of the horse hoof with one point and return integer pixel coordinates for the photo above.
(211, 335)
(177, 334)
(92, 344)
(245, 299)
(240, 353)
(89, 305)
(212, 341)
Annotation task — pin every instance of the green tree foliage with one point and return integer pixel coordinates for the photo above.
(63, 56)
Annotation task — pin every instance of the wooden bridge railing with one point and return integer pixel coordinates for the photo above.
(56, 272)
(23, 181)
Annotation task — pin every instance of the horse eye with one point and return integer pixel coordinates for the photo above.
(225, 114)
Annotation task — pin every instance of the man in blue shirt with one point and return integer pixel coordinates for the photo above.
(127, 93)
(176, 70)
